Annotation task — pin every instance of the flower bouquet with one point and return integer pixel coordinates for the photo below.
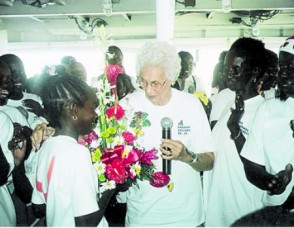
(114, 146)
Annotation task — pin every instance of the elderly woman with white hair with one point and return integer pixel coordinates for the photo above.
(190, 148)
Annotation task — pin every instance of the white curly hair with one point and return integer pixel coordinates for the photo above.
(159, 53)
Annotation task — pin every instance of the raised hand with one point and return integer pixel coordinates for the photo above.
(41, 133)
(280, 181)
(20, 143)
(20, 134)
(33, 106)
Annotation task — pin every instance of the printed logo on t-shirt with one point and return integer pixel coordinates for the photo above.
(183, 129)
(244, 129)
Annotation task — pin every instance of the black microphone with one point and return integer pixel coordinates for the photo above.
(166, 124)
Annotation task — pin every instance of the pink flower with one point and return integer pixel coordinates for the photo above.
(117, 111)
(81, 141)
(116, 171)
(148, 156)
(128, 137)
(112, 71)
(132, 157)
(90, 137)
(160, 179)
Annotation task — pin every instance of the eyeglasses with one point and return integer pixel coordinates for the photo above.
(153, 84)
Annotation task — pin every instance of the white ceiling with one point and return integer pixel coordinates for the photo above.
(136, 19)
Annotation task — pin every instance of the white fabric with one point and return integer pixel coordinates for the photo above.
(271, 93)
(228, 194)
(288, 46)
(32, 119)
(271, 142)
(221, 102)
(14, 114)
(150, 206)
(6, 134)
(73, 186)
(7, 211)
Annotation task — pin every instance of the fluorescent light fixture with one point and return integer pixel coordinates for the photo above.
(226, 5)
(107, 7)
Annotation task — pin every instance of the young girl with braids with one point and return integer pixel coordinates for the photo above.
(66, 179)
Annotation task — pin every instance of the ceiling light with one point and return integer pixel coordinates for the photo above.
(226, 6)
(107, 7)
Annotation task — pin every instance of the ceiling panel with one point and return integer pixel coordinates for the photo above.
(136, 19)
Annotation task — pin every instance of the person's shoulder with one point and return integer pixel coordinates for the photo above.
(132, 99)
(184, 97)
(137, 94)
(226, 92)
(14, 114)
(224, 95)
(271, 107)
(62, 141)
(274, 102)
(3, 117)
(31, 96)
(180, 93)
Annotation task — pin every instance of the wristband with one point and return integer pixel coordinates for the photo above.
(236, 137)
(194, 157)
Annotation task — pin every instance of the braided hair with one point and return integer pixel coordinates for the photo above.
(59, 92)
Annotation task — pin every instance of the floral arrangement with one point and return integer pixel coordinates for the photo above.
(114, 146)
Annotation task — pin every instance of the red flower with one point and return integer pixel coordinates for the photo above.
(128, 137)
(116, 171)
(160, 179)
(90, 137)
(132, 157)
(112, 71)
(148, 156)
(117, 111)
(81, 141)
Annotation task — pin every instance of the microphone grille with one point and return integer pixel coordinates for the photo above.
(166, 122)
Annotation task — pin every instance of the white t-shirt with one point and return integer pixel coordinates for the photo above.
(271, 142)
(268, 94)
(221, 103)
(150, 206)
(7, 211)
(228, 194)
(71, 186)
(31, 117)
